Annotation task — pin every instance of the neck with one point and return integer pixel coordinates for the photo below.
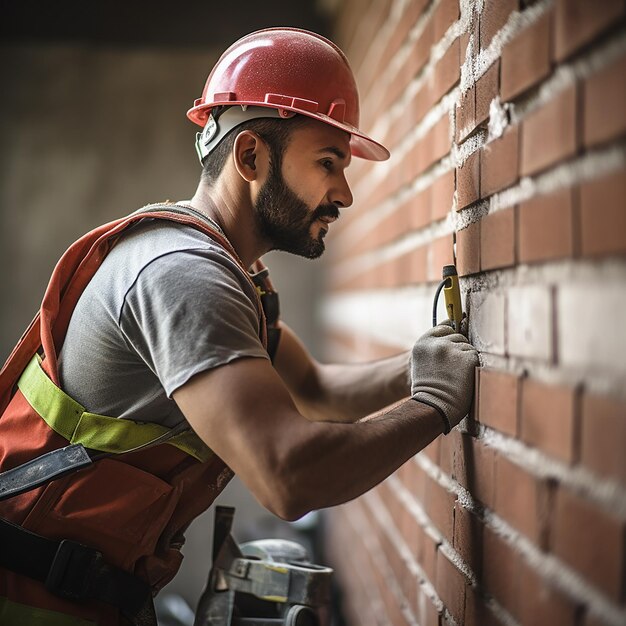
(234, 214)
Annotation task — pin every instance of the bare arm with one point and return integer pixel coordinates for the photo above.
(343, 393)
(245, 414)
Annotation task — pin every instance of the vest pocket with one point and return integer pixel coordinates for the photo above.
(114, 507)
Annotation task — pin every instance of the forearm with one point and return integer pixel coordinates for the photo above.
(343, 393)
(347, 393)
(245, 414)
(330, 463)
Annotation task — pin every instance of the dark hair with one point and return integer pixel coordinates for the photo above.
(275, 132)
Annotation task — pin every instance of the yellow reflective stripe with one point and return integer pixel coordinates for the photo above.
(16, 613)
(281, 599)
(98, 432)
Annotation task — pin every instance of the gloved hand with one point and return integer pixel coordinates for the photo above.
(442, 373)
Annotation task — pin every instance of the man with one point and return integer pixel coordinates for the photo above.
(153, 324)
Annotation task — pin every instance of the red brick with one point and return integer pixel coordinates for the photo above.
(426, 612)
(487, 88)
(549, 134)
(497, 240)
(498, 400)
(501, 571)
(466, 115)
(450, 586)
(417, 485)
(479, 474)
(390, 228)
(432, 450)
(578, 22)
(417, 265)
(468, 181)
(446, 73)
(439, 505)
(442, 195)
(548, 606)
(406, 72)
(603, 215)
(526, 59)
(385, 274)
(419, 105)
(605, 104)
(371, 21)
(440, 134)
(493, 17)
(414, 537)
(591, 541)
(468, 250)
(446, 13)
(603, 436)
(451, 457)
(417, 158)
(412, 591)
(402, 473)
(403, 76)
(548, 418)
(419, 210)
(545, 227)
(420, 53)
(468, 536)
(429, 558)
(476, 611)
(441, 253)
(499, 163)
(521, 499)
(413, 10)
(434, 145)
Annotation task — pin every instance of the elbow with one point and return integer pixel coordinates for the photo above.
(291, 477)
(282, 504)
(289, 512)
(285, 492)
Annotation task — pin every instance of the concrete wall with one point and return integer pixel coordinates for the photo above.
(506, 120)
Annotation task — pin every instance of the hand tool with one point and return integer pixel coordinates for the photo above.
(452, 295)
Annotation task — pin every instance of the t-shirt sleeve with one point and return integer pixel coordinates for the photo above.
(190, 311)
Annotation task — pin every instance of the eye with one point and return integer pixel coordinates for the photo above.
(327, 164)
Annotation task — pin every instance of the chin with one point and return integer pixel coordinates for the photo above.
(313, 249)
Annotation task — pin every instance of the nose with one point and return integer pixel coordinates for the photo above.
(342, 195)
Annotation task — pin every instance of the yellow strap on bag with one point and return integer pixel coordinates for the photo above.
(97, 432)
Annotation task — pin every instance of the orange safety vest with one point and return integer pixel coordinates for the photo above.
(133, 508)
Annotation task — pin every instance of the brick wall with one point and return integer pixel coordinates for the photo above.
(506, 120)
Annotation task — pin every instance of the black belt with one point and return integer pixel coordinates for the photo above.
(71, 570)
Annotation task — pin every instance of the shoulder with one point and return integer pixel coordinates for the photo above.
(161, 260)
(175, 250)
(172, 263)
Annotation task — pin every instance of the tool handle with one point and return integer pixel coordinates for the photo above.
(452, 295)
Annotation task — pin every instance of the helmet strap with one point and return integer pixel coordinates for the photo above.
(220, 123)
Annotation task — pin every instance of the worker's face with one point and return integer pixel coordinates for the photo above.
(297, 203)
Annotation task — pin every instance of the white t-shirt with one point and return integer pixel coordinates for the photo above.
(166, 304)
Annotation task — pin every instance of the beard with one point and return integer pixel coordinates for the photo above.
(285, 220)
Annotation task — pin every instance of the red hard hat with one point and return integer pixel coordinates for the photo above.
(291, 70)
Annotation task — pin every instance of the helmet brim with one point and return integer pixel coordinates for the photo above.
(361, 145)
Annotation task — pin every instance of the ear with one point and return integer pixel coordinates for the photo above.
(250, 155)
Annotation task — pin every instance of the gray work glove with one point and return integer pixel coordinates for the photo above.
(442, 373)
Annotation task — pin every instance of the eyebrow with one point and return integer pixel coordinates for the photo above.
(334, 150)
